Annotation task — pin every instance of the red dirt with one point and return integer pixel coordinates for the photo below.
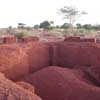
(94, 71)
(9, 39)
(79, 39)
(38, 55)
(73, 54)
(72, 39)
(27, 61)
(11, 91)
(27, 86)
(13, 61)
(20, 59)
(88, 40)
(30, 39)
(55, 83)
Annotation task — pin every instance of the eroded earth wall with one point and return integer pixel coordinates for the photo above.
(78, 54)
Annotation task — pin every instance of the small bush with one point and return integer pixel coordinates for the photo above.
(20, 35)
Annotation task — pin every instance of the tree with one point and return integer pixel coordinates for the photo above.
(57, 26)
(9, 30)
(65, 25)
(36, 26)
(71, 13)
(21, 25)
(45, 25)
(87, 26)
(96, 27)
(51, 22)
(78, 25)
(10, 27)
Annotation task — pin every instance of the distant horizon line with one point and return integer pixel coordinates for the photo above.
(15, 26)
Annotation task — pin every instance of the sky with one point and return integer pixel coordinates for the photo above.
(33, 12)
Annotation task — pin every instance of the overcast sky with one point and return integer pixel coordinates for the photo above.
(33, 12)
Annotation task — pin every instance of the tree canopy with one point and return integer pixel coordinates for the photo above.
(45, 25)
(71, 13)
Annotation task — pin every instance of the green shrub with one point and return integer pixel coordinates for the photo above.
(20, 35)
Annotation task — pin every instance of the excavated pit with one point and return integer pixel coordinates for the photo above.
(60, 70)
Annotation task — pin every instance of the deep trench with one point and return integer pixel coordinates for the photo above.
(52, 54)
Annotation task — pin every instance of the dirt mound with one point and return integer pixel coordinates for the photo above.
(27, 86)
(55, 83)
(11, 91)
